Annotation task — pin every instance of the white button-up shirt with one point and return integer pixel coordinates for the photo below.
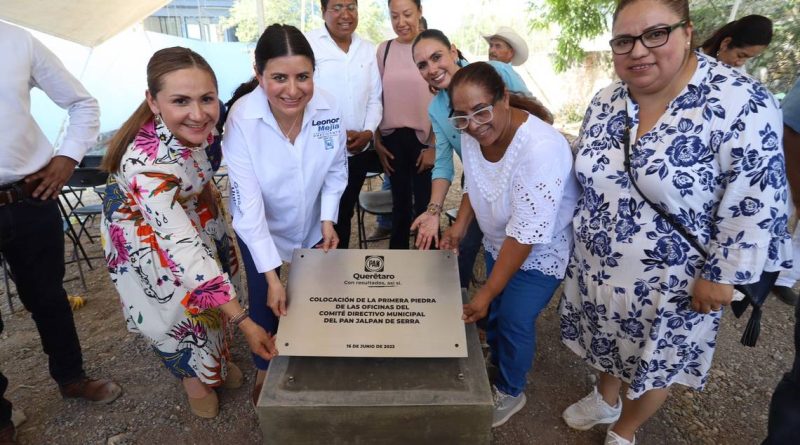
(27, 64)
(280, 192)
(352, 77)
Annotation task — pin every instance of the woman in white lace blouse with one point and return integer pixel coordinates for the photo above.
(520, 186)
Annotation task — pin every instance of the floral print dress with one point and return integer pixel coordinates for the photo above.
(714, 160)
(168, 252)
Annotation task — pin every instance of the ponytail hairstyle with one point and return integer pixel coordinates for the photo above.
(439, 36)
(485, 76)
(276, 41)
(751, 30)
(163, 62)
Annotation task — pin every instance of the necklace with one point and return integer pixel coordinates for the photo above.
(288, 133)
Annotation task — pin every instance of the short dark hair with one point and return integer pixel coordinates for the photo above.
(747, 31)
(324, 3)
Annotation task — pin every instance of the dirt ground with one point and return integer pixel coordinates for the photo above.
(732, 410)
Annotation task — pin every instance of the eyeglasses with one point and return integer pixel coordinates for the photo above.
(650, 39)
(480, 117)
(338, 8)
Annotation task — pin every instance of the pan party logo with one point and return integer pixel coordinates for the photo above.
(373, 263)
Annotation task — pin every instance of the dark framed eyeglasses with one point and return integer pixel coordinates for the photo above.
(338, 8)
(650, 39)
(482, 116)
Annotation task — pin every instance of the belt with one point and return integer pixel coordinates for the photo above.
(16, 191)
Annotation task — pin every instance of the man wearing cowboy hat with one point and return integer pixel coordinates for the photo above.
(507, 46)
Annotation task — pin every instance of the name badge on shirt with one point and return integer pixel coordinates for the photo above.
(327, 130)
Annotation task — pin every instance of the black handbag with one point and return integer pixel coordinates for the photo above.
(754, 293)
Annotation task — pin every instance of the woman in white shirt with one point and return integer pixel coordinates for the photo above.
(285, 149)
(520, 186)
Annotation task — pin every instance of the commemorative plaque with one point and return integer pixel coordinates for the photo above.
(373, 303)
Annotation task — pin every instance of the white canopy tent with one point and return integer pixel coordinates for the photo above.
(87, 22)
(98, 42)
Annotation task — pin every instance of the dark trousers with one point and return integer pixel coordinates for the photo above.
(784, 409)
(257, 299)
(468, 251)
(411, 191)
(5, 405)
(32, 243)
(356, 172)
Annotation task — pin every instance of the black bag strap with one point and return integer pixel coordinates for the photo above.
(626, 142)
(385, 54)
(765, 283)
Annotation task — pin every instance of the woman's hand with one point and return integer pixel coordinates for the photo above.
(260, 341)
(276, 294)
(451, 237)
(208, 198)
(709, 296)
(427, 227)
(385, 156)
(478, 307)
(426, 159)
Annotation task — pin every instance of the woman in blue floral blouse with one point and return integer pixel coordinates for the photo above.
(641, 304)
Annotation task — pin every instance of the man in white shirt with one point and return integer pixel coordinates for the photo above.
(31, 236)
(347, 68)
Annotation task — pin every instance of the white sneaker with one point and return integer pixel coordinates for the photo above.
(505, 406)
(613, 438)
(590, 411)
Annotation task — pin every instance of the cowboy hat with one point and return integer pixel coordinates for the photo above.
(515, 41)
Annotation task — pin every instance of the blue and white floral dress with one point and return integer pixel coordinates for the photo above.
(714, 159)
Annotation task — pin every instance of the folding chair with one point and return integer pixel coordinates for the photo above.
(375, 203)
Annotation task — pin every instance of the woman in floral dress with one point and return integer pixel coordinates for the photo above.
(165, 239)
(640, 304)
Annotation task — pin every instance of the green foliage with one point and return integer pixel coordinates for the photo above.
(781, 60)
(577, 19)
(372, 18)
(243, 16)
(584, 19)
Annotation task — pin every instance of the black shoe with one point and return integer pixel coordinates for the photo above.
(785, 294)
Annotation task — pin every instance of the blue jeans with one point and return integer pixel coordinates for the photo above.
(257, 296)
(511, 329)
(385, 221)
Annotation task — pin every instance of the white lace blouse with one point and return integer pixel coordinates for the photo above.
(530, 195)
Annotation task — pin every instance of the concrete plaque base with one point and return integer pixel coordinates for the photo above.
(327, 400)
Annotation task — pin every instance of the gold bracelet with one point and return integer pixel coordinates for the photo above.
(434, 208)
(238, 318)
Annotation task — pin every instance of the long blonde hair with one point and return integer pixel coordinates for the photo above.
(163, 62)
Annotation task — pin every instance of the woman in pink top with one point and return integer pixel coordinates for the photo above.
(405, 132)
